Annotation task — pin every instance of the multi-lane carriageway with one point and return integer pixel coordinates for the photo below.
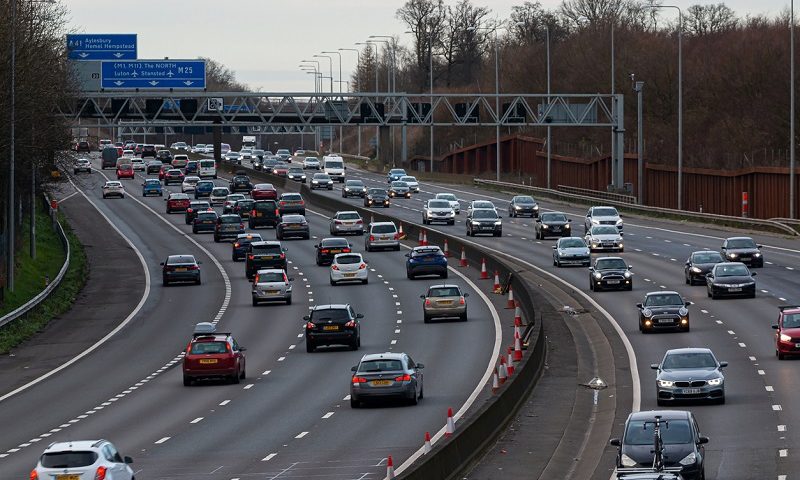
(289, 418)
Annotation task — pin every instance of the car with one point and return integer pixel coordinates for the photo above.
(348, 267)
(243, 207)
(377, 197)
(180, 268)
(138, 149)
(266, 254)
(189, 183)
(663, 310)
(297, 174)
(382, 235)
(152, 186)
(218, 195)
(212, 354)
(610, 273)
(787, 332)
(204, 221)
(228, 226)
(241, 244)
(730, 279)
(177, 202)
(180, 161)
(230, 201)
(354, 188)
(269, 163)
(347, 222)
(113, 188)
(484, 220)
(174, 175)
(180, 146)
(604, 238)
(438, 211)
(284, 154)
(258, 154)
(125, 171)
(680, 436)
(699, 264)
(280, 169)
(299, 152)
(412, 183)
(291, 203)
(272, 284)
(479, 204)
(523, 205)
(204, 188)
(426, 260)
(602, 216)
(395, 174)
(240, 182)
(292, 226)
(571, 251)
(399, 189)
(444, 301)
(199, 148)
(380, 376)
(257, 162)
(327, 248)
(104, 143)
(264, 213)
(165, 167)
(128, 152)
(689, 374)
(207, 168)
(246, 154)
(264, 191)
(192, 168)
(335, 324)
(454, 201)
(82, 459)
(552, 224)
(223, 148)
(154, 166)
(149, 151)
(742, 249)
(196, 206)
(83, 147)
(165, 156)
(82, 165)
(321, 180)
(310, 163)
(138, 164)
(232, 158)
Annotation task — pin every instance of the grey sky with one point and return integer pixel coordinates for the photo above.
(263, 41)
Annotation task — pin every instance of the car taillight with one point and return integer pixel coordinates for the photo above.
(403, 378)
(427, 302)
(255, 279)
(283, 255)
(302, 202)
(282, 203)
(188, 348)
(338, 222)
(194, 267)
(309, 326)
(253, 212)
(359, 221)
(350, 324)
(356, 379)
(228, 347)
(251, 257)
(461, 301)
(277, 214)
(346, 250)
(372, 238)
(397, 236)
(35, 476)
(241, 226)
(236, 245)
(189, 210)
(100, 474)
(324, 250)
(362, 266)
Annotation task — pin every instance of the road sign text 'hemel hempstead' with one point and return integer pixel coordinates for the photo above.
(101, 46)
(154, 74)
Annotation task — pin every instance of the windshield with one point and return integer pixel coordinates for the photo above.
(484, 214)
(202, 348)
(354, 183)
(293, 219)
(220, 191)
(399, 184)
(348, 216)
(206, 163)
(265, 249)
(370, 366)
(524, 200)
(421, 252)
(335, 314)
(206, 216)
(791, 320)
(610, 264)
(663, 300)
(69, 459)
(234, 197)
(230, 219)
(180, 259)
(390, 228)
(321, 176)
(348, 259)
(292, 197)
(689, 360)
(732, 271)
(335, 242)
(605, 212)
(438, 204)
(333, 164)
(444, 292)
(554, 217)
(447, 196)
(408, 179)
(707, 257)
(377, 191)
(604, 230)
(296, 171)
(572, 243)
(639, 433)
(270, 277)
(741, 243)
(397, 171)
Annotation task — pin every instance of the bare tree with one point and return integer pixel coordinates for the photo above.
(426, 20)
(579, 13)
(709, 19)
(220, 78)
(465, 41)
(530, 23)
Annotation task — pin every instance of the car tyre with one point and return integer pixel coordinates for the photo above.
(332, 282)
(397, 249)
(660, 402)
(354, 403)
(310, 347)
(365, 281)
(255, 302)
(445, 274)
(289, 301)
(236, 378)
(463, 317)
(426, 318)
(780, 355)
(591, 285)
(187, 381)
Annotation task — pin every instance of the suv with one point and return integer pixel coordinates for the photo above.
(228, 226)
(354, 188)
(149, 151)
(382, 235)
(291, 203)
(240, 181)
(109, 158)
(386, 375)
(602, 216)
(333, 325)
(438, 211)
(180, 160)
(265, 212)
(83, 147)
(427, 260)
(212, 354)
(328, 248)
(261, 255)
(82, 459)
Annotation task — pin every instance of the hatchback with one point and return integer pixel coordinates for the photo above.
(204, 221)
(428, 260)
(297, 174)
(82, 459)
(327, 248)
(743, 249)
(228, 226)
(82, 165)
(152, 186)
(230, 201)
(523, 205)
(213, 355)
(264, 191)
(663, 310)
(177, 202)
(386, 375)
(787, 332)
(203, 188)
(189, 183)
(264, 213)
(241, 245)
(293, 226)
(332, 325)
(261, 255)
(354, 188)
(382, 235)
(291, 203)
(271, 285)
(196, 206)
(218, 195)
(349, 267)
(443, 301)
(243, 207)
(125, 171)
(347, 222)
(180, 268)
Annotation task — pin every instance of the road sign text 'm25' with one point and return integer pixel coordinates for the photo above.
(154, 74)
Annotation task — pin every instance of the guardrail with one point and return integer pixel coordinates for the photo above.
(41, 296)
(619, 197)
(706, 218)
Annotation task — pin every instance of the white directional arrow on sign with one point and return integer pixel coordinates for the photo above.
(118, 55)
(188, 82)
(119, 83)
(83, 54)
(153, 82)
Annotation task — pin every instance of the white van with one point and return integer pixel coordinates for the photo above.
(334, 167)
(207, 168)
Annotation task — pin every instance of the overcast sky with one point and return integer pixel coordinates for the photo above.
(263, 41)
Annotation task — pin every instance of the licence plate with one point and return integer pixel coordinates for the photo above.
(271, 292)
(444, 302)
(734, 289)
(665, 320)
(556, 229)
(207, 361)
(385, 237)
(295, 226)
(330, 328)
(180, 269)
(612, 282)
(690, 391)
(349, 275)
(208, 222)
(259, 214)
(68, 477)
(380, 383)
(336, 251)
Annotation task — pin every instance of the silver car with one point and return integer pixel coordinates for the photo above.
(571, 251)
(479, 204)
(689, 374)
(382, 235)
(272, 284)
(602, 216)
(349, 267)
(311, 162)
(189, 184)
(438, 211)
(218, 195)
(604, 237)
(412, 183)
(347, 222)
(444, 301)
(386, 375)
(454, 201)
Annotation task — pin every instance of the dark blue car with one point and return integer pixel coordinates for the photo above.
(242, 244)
(152, 186)
(192, 167)
(203, 188)
(429, 260)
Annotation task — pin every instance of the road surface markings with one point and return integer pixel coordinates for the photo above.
(224, 402)
(162, 440)
(769, 388)
(292, 347)
(393, 342)
(269, 457)
(752, 359)
(328, 415)
(346, 398)
(301, 435)
(777, 408)
(783, 452)
(742, 345)
(198, 419)
(267, 372)
(703, 311)
(248, 386)
(280, 359)
(781, 428)
(731, 332)
(762, 372)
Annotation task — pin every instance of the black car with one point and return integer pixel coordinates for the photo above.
(267, 254)
(240, 183)
(180, 268)
(377, 197)
(354, 188)
(242, 244)
(154, 166)
(268, 164)
(291, 203)
(663, 310)
(204, 221)
(264, 213)
(243, 207)
(552, 224)
(321, 180)
(228, 226)
(83, 147)
(742, 249)
(699, 264)
(731, 279)
(680, 436)
(484, 220)
(149, 151)
(523, 205)
(610, 272)
(164, 155)
(327, 248)
(292, 226)
(333, 325)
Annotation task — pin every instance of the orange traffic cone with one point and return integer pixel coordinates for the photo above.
(401, 232)
(497, 287)
(446, 249)
(389, 468)
(495, 383)
(484, 273)
(419, 238)
(424, 238)
(517, 320)
(502, 372)
(510, 362)
(428, 447)
(451, 427)
(511, 304)
(463, 262)
(517, 348)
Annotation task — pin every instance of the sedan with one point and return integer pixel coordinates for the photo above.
(454, 201)
(484, 221)
(173, 175)
(272, 285)
(554, 224)
(349, 267)
(232, 157)
(689, 374)
(604, 237)
(731, 279)
(264, 191)
(699, 264)
(571, 251)
(180, 268)
(113, 188)
(347, 222)
(240, 182)
(328, 248)
(428, 260)
(523, 205)
(321, 180)
(297, 174)
(787, 332)
(386, 375)
(152, 186)
(241, 245)
(154, 166)
(610, 272)
(743, 249)
(412, 183)
(663, 310)
(377, 197)
(293, 226)
(177, 202)
(395, 174)
(280, 169)
(230, 201)
(311, 163)
(189, 183)
(399, 189)
(354, 188)
(444, 301)
(204, 221)
(438, 211)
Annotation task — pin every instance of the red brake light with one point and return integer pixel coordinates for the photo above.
(253, 212)
(241, 225)
(101, 473)
(282, 203)
(189, 210)
(461, 301)
(309, 325)
(228, 347)
(35, 476)
(357, 379)
(427, 302)
(283, 255)
(350, 324)
(302, 202)
(403, 378)
(346, 250)
(362, 266)
(236, 245)
(334, 267)
(194, 267)
(397, 236)
(372, 238)
(339, 222)
(251, 256)
(324, 250)
(277, 214)
(360, 221)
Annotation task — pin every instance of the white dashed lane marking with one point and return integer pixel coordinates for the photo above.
(162, 440)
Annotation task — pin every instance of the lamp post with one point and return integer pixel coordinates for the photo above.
(390, 49)
(791, 112)
(340, 91)
(549, 149)
(680, 100)
(377, 131)
(637, 88)
(330, 67)
(389, 75)
(358, 87)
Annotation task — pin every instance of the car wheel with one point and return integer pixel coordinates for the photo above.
(630, 287)
(660, 402)
(409, 276)
(310, 347)
(445, 274)
(355, 344)
(641, 328)
(367, 247)
(289, 301)
(255, 302)
(332, 282)
(468, 233)
(498, 234)
(708, 293)
(235, 378)
(686, 279)
(451, 222)
(721, 401)
(365, 281)
(354, 403)
(187, 381)
(463, 317)
(216, 239)
(397, 249)
(780, 355)
(244, 374)
(591, 285)
(413, 400)
(687, 328)
(197, 282)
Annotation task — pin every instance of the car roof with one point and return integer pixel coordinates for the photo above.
(374, 224)
(738, 238)
(74, 445)
(248, 235)
(345, 255)
(383, 356)
(662, 292)
(292, 217)
(689, 350)
(608, 258)
(331, 306)
(185, 257)
(335, 240)
(265, 243)
(270, 270)
(230, 215)
(444, 285)
(347, 211)
(665, 415)
(728, 264)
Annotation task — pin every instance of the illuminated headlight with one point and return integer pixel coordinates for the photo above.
(517, 207)
(785, 338)
(627, 461)
(627, 274)
(536, 207)
(695, 270)
(732, 255)
(666, 383)
(757, 254)
(498, 223)
(314, 181)
(544, 226)
(683, 312)
(597, 275)
(567, 226)
(620, 244)
(647, 312)
(619, 222)
(715, 382)
(594, 244)
(346, 189)
(689, 459)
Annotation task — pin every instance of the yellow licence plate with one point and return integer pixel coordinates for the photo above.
(207, 361)
(271, 292)
(330, 327)
(68, 477)
(180, 269)
(380, 383)
(444, 302)
(348, 275)
(336, 251)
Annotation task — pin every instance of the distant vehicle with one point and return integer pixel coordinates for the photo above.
(82, 165)
(232, 157)
(347, 222)
(332, 325)
(484, 221)
(199, 148)
(787, 332)
(203, 188)
(270, 285)
(354, 188)
(224, 148)
(109, 158)
(213, 355)
(321, 180)
(154, 166)
(248, 141)
(180, 268)
(382, 235)
(173, 175)
(699, 264)
(479, 204)
(204, 221)
(438, 211)
(195, 207)
(218, 195)
(523, 205)
(164, 155)
(454, 202)
(610, 273)
(395, 174)
(207, 168)
(82, 459)
(604, 237)
(377, 197)
(180, 146)
(103, 144)
(189, 183)
(311, 163)
(552, 224)
(83, 147)
(228, 226)
(138, 164)
(180, 160)
(399, 189)
(571, 251)
(284, 155)
(663, 310)
(328, 248)
(230, 201)
(742, 249)
(241, 245)
(386, 375)
(240, 182)
(297, 174)
(152, 186)
(412, 183)
(113, 188)
(427, 260)
(280, 169)
(264, 191)
(292, 226)
(597, 216)
(444, 301)
(291, 203)
(264, 213)
(149, 151)
(177, 202)
(334, 166)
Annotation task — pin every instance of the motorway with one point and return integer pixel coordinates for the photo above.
(291, 417)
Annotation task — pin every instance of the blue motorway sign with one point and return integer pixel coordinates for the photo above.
(154, 74)
(104, 46)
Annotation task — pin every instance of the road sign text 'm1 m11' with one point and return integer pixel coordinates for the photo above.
(154, 74)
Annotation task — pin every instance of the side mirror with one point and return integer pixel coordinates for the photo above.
(466, 294)
(639, 305)
(421, 296)
(776, 327)
(688, 263)
(285, 249)
(554, 247)
(538, 220)
(702, 440)
(759, 246)
(128, 460)
(307, 318)
(162, 264)
(569, 220)
(200, 263)
(630, 267)
(316, 246)
(654, 366)
(723, 364)
(359, 315)
(354, 368)
(615, 442)
(165, 199)
(591, 269)
(753, 274)
(242, 349)
(420, 366)
(724, 248)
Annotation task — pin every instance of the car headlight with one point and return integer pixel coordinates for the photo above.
(517, 207)
(567, 226)
(647, 312)
(314, 181)
(544, 226)
(695, 270)
(689, 459)
(757, 254)
(732, 255)
(536, 207)
(715, 381)
(597, 275)
(497, 223)
(594, 243)
(785, 338)
(627, 461)
(627, 274)
(666, 383)
(683, 312)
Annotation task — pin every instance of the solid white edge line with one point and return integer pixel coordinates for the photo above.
(113, 332)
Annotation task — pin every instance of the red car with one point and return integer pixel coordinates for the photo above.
(787, 332)
(124, 171)
(164, 169)
(177, 202)
(280, 169)
(119, 151)
(264, 191)
(213, 355)
(173, 175)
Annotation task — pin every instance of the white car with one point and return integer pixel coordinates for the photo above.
(412, 182)
(82, 165)
(478, 204)
(604, 237)
(199, 148)
(272, 284)
(218, 195)
(113, 188)
(138, 164)
(311, 162)
(246, 154)
(82, 459)
(189, 184)
(454, 202)
(602, 216)
(349, 267)
(438, 211)
(128, 153)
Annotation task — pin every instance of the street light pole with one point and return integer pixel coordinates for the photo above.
(340, 91)
(496, 96)
(358, 87)
(549, 149)
(330, 67)
(791, 113)
(638, 87)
